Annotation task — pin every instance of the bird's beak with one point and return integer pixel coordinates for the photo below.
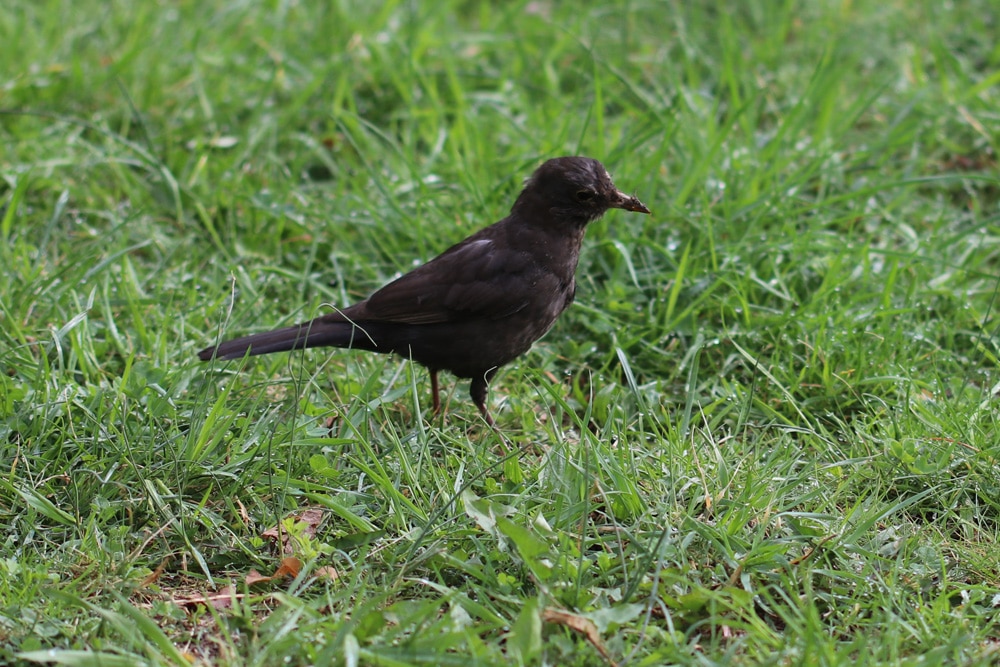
(628, 203)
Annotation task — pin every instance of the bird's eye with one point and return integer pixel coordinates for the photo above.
(585, 195)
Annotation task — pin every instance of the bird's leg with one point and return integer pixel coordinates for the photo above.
(435, 397)
(478, 390)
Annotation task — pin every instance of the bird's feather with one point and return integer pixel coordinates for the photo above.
(484, 281)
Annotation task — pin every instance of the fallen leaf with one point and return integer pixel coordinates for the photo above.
(255, 577)
(307, 521)
(153, 576)
(584, 626)
(224, 600)
(290, 567)
(221, 600)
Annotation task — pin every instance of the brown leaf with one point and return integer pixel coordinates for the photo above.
(255, 577)
(327, 572)
(312, 518)
(221, 600)
(290, 567)
(308, 520)
(244, 515)
(224, 600)
(153, 576)
(584, 626)
(275, 534)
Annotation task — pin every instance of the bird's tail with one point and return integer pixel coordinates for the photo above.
(317, 333)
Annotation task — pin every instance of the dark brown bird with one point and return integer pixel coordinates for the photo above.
(481, 303)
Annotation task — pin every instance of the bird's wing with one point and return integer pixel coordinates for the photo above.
(477, 279)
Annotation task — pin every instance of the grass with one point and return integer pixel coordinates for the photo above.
(766, 433)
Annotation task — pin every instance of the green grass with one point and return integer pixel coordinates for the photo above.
(766, 433)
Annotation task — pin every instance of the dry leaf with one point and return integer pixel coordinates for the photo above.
(221, 600)
(244, 515)
(290, 567)
(584, 626)
(255, 577)
(306, 520)
(224, 600)
(153, 576)
(312, 518)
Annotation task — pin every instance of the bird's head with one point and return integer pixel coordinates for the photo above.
(576, 189)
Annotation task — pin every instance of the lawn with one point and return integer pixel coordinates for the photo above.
(766, 433)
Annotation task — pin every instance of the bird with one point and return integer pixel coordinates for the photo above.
(481, 303)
